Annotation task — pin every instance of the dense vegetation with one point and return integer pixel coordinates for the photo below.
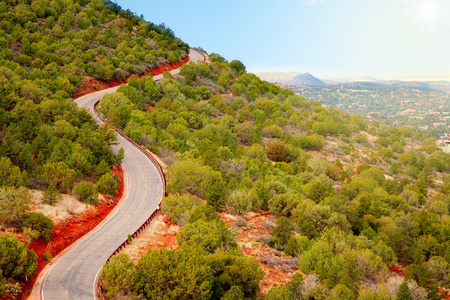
(47, 50)
(352, 198)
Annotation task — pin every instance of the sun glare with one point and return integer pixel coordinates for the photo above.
(428, 16)
(428, 10)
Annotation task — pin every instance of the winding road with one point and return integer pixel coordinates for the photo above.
(73, 274)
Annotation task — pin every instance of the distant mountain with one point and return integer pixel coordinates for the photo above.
(441, 85)
(293, 78)
(360, 84)
(306, 79)
(414, 85)
(296, 78)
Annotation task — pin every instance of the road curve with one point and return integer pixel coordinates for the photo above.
(74, 273)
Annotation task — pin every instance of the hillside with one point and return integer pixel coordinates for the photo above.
(49, 52)
(342, 201)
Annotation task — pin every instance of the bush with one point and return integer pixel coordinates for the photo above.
(209, 236)
(51, 195)
(277, 151)
(16, 260)
(297, 245)
(107, 185)
(360, 139)
(315, 142)
(240, 201)
(179, 207)
(117, 275)
(86, 192)
(283, 230)
(38, 222)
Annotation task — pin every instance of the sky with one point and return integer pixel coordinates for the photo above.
(384, 39)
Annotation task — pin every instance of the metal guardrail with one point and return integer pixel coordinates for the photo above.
(100, 285)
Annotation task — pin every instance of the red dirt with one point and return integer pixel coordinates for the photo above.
(160, 233)
(398, 270)
(164, 239)
(67, 232)
(275, 265)
(88, 84)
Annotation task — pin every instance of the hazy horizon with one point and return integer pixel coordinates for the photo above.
(400, 39)
(364, 77)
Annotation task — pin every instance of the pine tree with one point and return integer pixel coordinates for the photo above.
(403, 292)
(51, 195)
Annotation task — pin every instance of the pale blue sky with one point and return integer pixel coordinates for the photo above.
(329, 38)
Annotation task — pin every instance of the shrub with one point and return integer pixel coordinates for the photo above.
(297, 245)
(16, 260)
(107, 185)
(38, 222)
(86, 192)
(360, 139)
(277, 151)
(283, 230)
(315, 142)
(51, 195)
(179, 207)
(209, 236)
(240, 201)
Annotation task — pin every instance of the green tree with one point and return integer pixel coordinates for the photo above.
(341, 292)
(403, 292)
(120, 156)
(277, 151)
(179, 207)
(59, 174)
(297, 245)
(16, 260)
(10, 175)
(283, 230)
(245, 132)
(189, 73)
(107, 185)
(190, 176)
(210, 236)
(241, 201)
(179, 274)
(51, 195)
(107, 134)
(118, 275)
(13, 203)
(235, 293)
(38, 222)
(86, 192)
(231, 270)
(237, 66)
(102, 169)
(203, 92)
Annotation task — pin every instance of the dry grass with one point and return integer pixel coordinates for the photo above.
(61, 211)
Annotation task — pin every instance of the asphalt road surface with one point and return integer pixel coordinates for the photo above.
(73, 275)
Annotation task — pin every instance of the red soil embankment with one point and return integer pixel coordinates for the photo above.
(89, 83)
(69, 231)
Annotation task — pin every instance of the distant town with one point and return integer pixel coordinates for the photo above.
(424, 109)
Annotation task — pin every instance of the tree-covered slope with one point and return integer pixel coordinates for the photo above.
(47, 50)
(352, 198)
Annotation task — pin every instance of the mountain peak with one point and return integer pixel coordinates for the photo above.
(290, 78)
(306, 79)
